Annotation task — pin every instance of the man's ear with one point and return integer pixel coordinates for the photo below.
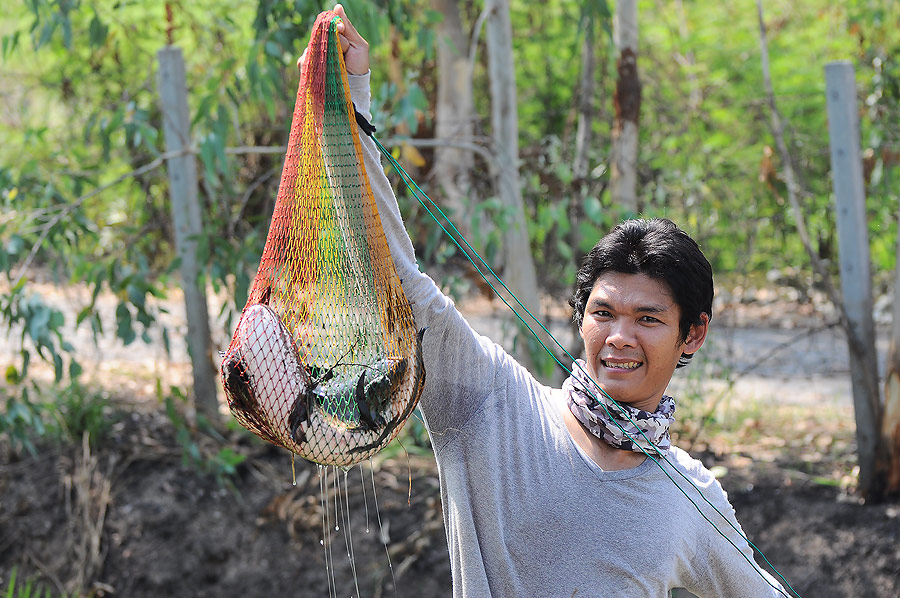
(696, 335)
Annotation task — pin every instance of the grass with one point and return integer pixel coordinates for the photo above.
(27, 589)
(33, 413)
(816, 443)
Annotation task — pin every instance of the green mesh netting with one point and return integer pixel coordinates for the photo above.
(325, 360)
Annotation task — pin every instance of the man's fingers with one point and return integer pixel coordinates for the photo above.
(353, 45)
(346, 27)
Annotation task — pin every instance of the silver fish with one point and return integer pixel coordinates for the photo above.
(273, 394)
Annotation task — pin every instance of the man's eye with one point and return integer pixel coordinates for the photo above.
(649, 320)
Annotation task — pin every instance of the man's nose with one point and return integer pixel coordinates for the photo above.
(621, 334)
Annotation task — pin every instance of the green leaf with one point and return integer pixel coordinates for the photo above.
(84, 313)
(208, 157)
(124, 324)
(57, 367)
(75, 370)
(97, 32)
(57, 319)
(203, 109)
(136, 294)
(241, 287)
(67, 30)
(11, 588)
(594, 210)
(12, 375)
(10, 42)
(15, 244)
(26, 360)
(47, 32)
(38, 323)
(96, 325)
(273, 49)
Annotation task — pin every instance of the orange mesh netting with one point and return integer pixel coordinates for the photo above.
(325, 360)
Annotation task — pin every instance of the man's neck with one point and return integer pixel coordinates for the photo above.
(605, 456)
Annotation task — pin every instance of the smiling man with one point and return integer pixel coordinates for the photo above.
(642, 303)
(551, 492)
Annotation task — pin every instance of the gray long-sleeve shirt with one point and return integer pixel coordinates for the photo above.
(527, 512)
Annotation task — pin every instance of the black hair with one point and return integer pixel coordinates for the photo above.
(659, 249)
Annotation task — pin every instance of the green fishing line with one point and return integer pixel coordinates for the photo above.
(419, 195)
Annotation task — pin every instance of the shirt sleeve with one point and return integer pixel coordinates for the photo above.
(723, 564)
(462, 368)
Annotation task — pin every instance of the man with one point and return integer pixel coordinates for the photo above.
(551, 492)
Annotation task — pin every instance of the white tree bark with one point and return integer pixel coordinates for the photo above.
(454, 115)
(869, 414)
(890, 424)
(187, 220)
(583, 136)
(580, 164)
(624, 151)
(519, 270)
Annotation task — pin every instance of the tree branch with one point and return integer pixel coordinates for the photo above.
(476, 34)
(72, 206)
(794, 191)
(45, 229)
(246, 197)
(480, 150)
(793, 187)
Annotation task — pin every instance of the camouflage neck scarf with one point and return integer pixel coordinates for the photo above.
(586, 403)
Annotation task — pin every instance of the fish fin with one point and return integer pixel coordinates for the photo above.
(237, 383)
(367, 419)
(299, 414)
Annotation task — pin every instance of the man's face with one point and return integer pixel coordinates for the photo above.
(631, 337)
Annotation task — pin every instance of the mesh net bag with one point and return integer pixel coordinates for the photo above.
(326, 360)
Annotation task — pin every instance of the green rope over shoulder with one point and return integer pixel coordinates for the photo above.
(482, 268)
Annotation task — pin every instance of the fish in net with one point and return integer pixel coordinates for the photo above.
(326, 360)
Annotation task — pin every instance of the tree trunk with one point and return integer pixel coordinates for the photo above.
(623, 168)
(856, 270)
(187, 218)
(580, 164)
(890, 423)
(519, 270)
(454, 115)
(860, 336)
(581, 160)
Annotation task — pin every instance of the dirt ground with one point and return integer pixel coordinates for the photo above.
(131, 515)
(128, 518)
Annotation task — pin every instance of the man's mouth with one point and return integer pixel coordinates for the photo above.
(621, 365)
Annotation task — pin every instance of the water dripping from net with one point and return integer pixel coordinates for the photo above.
(325, 542)
(337, 525)
(362, 480)
(331, 542)
(348, 533)
(381, 531)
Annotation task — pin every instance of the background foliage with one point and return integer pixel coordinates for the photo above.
(80, 111)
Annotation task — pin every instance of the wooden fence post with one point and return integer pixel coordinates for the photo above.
(187, 219)
(856, 276)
